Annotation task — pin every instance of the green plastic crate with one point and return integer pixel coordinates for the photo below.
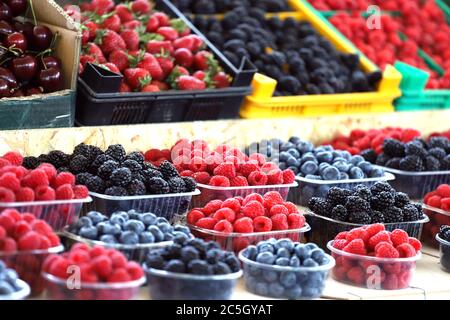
(445, 6)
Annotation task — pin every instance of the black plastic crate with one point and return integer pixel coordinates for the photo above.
(95, 108)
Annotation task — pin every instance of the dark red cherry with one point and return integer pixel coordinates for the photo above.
(5, 90)
(16, 40)
(32, 90)
(50, 62)
(5, 28)
(8, 76)
(26, 28)
(50, 79)
(5, 12)
(18, 93)
(18, 7)
(42, 37)
(24, 68)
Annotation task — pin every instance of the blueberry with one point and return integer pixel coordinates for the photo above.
(251, 252)
(165, 227)
(113, 229)
(10, 275)
(276, 290)
(292, 162)
(274, 243)
(324, 156)
(356, 173)
(356, 159)
(308, 157)
(103, 228)
(295, 140)
(302, 277)
(183, 229)
(221, 268)
(213, 256)
(262, 289)
(313, 177)
(322, 260)
(199, 244)
(212, 245)
(159, 236)
(330, 173)
(309, 263)
(146, 237)
(286, 146)
(304, 146)
(107, 238)
(346, 155)
(148, 218)
(85, 222)
(232, 261)
(161, 220)
(282, 166)
(117, 219)
(189, 253)
(311, 246)
(168, 237)
(265, 257)
(302, 251)
(343, 176)
(336, 154)
(174, 251)
(155, 261)
(270, 275)
(365, 166)
(293, 152)
(89, 232)
(323, 166)
(135, 226)
(6, 288)
(133, 214)
(282, 262)
(293, 169)
(317, 253)
(342, 166)
(95, 216)
(197, 266)
(288, 279)
(254, 271)
(309, 167)
(311, 292)
(339, 159)
(294, 261)
(265, 247)
(175, 265)
(294, 293)
(376, 173)
(286, 243)
(323, 190)
(284, 156)
(129, 237)
(283, 253)
(328, 148)
(179, 237)
(122, 214)
(2, 266)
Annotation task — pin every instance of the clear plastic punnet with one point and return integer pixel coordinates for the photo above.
(417, 184)
(57, 213)
(59, 289)
(308, 188)
(373, 272)
(165, 285)
(324, 229)
(209, 193)
(22, 294)
(28, 265)
(444, 249)
(438, 217)
(237, 241)
(285, 282)
(162, 205)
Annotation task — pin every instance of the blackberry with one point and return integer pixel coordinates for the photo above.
(116, 191)
(107, 168)
(133, 165)
(411, 163)
(78, 164)
(382, 200)
(63, 169)
(101, 159)
(338, 196)
(419, 209)
(393, 163)
(369, 155)
(445, 163)
(432, 164)
(88, 151)
(393, 214)
(136, 156)
(382, 159)
(136, 188)
(149, 173)
(414, 148)
(440, 142)
(147, 165)
(95, 184)
(410, 213)
(322, 207)
(168, 170)
(356, 204)
(190, 184)
(377, 217)
(137, 176)
(444, 232)
(82, 178)
(363, 192)
(359, 218)
(121, 177)
(58, 158)
(401, 199)
(438, 153)
(176, 185)
(30, 162)
(393, 148)
(312, 202)
(116, 151)
(43, 158)
(381, 186)
(158, 186)
(339, 213)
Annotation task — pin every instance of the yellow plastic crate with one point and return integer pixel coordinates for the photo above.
(262, 104)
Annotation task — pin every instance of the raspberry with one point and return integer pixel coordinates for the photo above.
(2, 233)
(64, 192)
(64, 178)
(434, 201)
(243, 225)
(119, 275)
(269, 167)
(49, 170)
(235, 161)
(259, 158)
(28, 217)
(262, 224)
(25, 194)
(292, 208)
(42, 227)
(206, 223)
(382, 236)
(197, 164)
(253, 209)
(391, 282)
(238, 181)
(202, 177)
(445, 204)
(44, 193)
(340, 244)
(80, 246)
(356, 275)
(4, 163)
(79, 256)
(275, 177)
(6, 195)
(443, 190)
(257, 179)
(225, 214)
(45, 243)
(386, 250)
(9, 180)
(278, 209)
(240, 199)
(36, 178)
(272, 198)
(279, 222)
(212, 207)
(288, 176)
(358, 233)
(13, 214)
(296, 221)
(153, 155)
(18, 171)
(118, 259)
(253, 196)
(355, 246)
(15, 158)
(375, 228)
(20, 229)
(134, 270)
(225, 169)
(59, 267)
(224, 226)
(7, 222)
(219, 181)
(398, 237)
(248, 167)
(341, 235)
(29, 241)
(415, 243)
(97, 251)
(102, 265)
(406, 250)
(233, 204)
(193, 216)
(87, 274)
(186, 173)
(80, 192)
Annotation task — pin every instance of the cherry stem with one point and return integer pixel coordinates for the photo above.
(43, 63)
(41, 54)
(32, 12)
(6, 60)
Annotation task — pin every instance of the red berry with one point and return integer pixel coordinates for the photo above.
(257, 178)
(415, 243)
(278, 209)
(386, 250)
(288, 176)
(36, 178)
(296, 221)
(202, 177)
(253, 197)
(272, 198)
(44, 193)
(9, 181)
(49, 170)
(238, 181)
(358, 233)
(193, 216)
(219, 181)
(225, 214)
(243, 225)
(443, 190)
(356, 275)
(340, 244)
(262, 224)
(224, 226)
(292, 208)
(25, 194)
(253, 209)
(406, 250)
(382, 236)
(64, 192)
(29, 241)
(398, 237)
(118, 259)
(102, 265)
(225, 169)
(247, 168)
(279, 222)
(6, 195)
(80, 192)
(206, 223)
(20, 229)
(355, 246)
(375, 228)
(15, 158)
(64, 178)
(135, 270)
(119, 275)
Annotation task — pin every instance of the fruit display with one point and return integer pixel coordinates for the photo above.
(152, 51)
(11, 287)
(286, 269)
(437, 207)
(106, 274)
(290, 51)
(157, 156)
(444, 243)
(192, 269)
(222, 6)
(25, 242)
(374, 258)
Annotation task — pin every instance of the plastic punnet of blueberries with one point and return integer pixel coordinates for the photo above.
(9, 282)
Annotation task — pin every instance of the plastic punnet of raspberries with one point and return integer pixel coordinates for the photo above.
(391, 255)
(439, 198)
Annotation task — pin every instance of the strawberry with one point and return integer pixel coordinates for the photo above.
(84, 36)
(168, 33)
(132, 25)
(109, 41)
(200, 74)
(102, 6)
(161, 85)
(184, 57)
(137, 77)
(204, 60)
(85, 59)
(185, 82)
(166, 64)
(141, 7)
(221, 80)
(94, 51)
(80, 68)
(150, 88)
(124, 87)
(111, 67)
(175, 74)
(184, 42)
(152, 24)
(112, 23)
(124, 13)
(120, 59)
(157, 46)
(131, 38)
(92, 27)
(148, 62)
(163, 18)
